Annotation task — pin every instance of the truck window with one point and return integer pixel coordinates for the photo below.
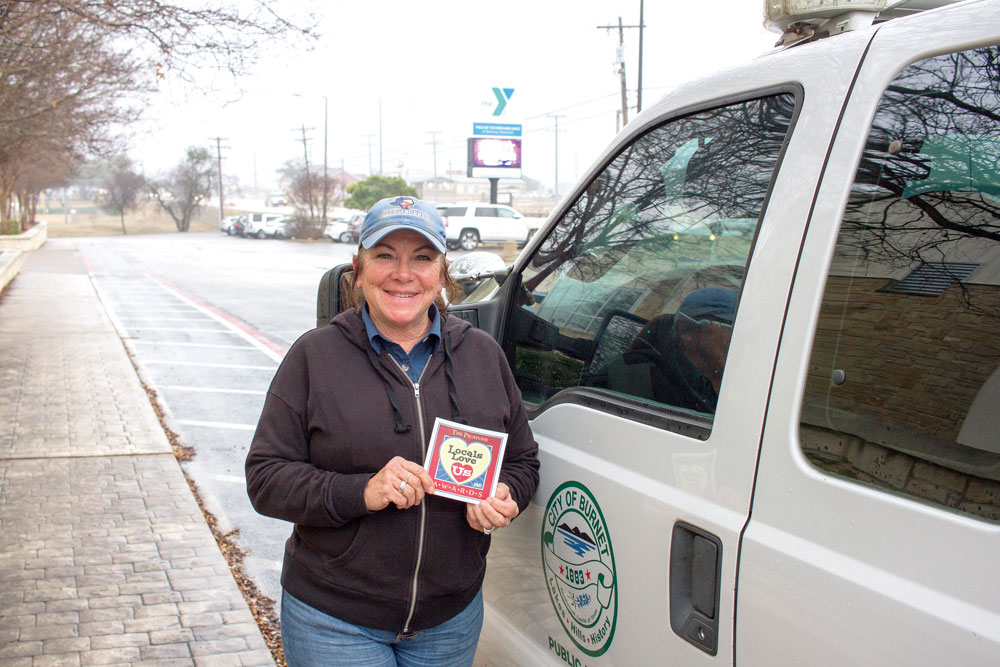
(904, 385)
(634, 292)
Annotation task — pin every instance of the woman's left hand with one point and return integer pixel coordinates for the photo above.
(495, 512)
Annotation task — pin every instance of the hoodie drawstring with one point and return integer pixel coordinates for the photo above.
(399, 426)
(450, 375)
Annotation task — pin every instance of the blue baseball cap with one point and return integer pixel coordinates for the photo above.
(395, 213)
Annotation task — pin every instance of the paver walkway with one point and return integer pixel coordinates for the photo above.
(105, 557)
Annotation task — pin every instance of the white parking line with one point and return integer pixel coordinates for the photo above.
(231, 479)
(178, 343)
(173, 310)
(206, 364)
(215, 390)
(238, 427)
(269, 348)
(167, 319)
(142, 328)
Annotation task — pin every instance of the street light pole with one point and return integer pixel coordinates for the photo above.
(326, 186)
(556, 117)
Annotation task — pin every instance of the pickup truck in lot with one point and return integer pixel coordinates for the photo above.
(759, 345)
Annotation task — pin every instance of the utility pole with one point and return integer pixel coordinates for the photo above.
(326, 118)
(305, 153)
(326, 181)
(434, 134)
(369, 137)
(642, 25)
(620, 60)
(380, 136)
(218, 161)
(556, 117)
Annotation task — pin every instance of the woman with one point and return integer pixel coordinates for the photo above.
(377, 570)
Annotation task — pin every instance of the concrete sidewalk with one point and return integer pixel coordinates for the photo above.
(105, 557)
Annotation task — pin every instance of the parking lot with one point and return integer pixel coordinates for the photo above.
(207, 319)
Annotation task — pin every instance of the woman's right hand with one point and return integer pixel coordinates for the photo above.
(384, 487)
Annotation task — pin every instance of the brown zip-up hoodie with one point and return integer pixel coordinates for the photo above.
(328, 425)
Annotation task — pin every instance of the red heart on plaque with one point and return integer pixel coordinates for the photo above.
(461, 471)
(464, 461)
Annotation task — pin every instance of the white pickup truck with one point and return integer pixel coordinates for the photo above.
(759, 345)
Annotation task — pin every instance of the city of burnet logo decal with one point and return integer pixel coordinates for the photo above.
(579, 566)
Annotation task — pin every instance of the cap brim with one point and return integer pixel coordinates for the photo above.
(380, 234)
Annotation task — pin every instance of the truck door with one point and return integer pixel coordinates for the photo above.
(620, 341)
(875, 524)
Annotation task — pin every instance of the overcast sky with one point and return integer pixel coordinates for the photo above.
(431, 67)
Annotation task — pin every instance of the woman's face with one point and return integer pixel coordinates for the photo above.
(400, 277)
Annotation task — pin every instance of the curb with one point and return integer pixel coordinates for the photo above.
(29, 240)
(13, 248)
(10, 265)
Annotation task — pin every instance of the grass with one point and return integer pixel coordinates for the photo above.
(88, 219)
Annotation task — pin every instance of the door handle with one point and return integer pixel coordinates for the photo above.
(695, 574)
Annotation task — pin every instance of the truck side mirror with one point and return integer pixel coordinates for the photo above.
(335, 293)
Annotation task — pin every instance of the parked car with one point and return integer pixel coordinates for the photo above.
(337, 230)
(468, 225)
(255, 224)
(354, 226)
(233, 225)
(276, 199)
(759, 346)
(276, 228)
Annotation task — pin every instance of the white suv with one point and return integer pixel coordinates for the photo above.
(468, 225)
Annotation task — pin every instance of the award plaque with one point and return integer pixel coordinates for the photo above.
(464, 461)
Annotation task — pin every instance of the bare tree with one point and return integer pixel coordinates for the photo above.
(58, 90)
(305, 193)
(181, 193)
(124, 187)
(73, 71)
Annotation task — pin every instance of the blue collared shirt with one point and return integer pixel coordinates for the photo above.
(414, 362)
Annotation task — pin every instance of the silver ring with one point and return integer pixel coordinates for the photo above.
(489, 530)
(402, 485)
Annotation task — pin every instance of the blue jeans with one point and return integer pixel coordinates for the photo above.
(311, 638)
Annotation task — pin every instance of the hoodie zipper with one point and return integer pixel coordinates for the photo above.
(423, 506)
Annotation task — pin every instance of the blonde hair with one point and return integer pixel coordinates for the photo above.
(351, 295)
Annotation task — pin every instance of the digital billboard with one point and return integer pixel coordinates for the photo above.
(494, 157)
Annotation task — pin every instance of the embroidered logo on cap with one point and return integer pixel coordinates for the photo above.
(403, 202)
